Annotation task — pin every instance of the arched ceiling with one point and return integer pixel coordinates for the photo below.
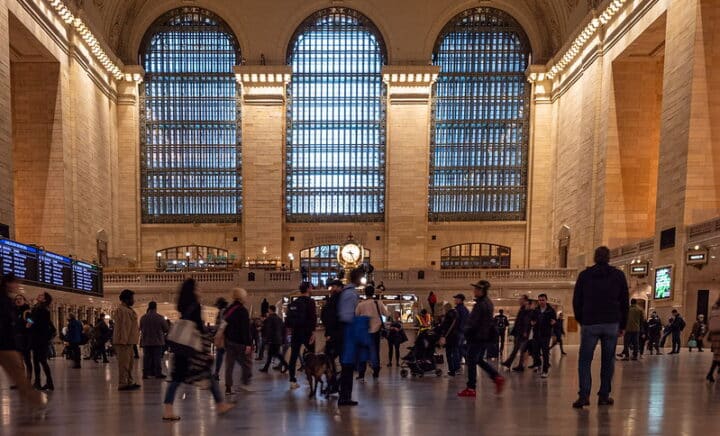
(122, 23)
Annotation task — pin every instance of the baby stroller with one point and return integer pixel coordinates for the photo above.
(422, 359)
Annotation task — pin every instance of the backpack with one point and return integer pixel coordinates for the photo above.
(329, 314)
(296, 317)
(681, 324)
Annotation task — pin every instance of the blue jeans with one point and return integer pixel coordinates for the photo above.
(476, 357)
(453, 357)
(676, 341)
(607, 334)
(174, 385)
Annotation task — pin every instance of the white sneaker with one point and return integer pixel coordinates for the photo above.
(294, 385)
(544, 375)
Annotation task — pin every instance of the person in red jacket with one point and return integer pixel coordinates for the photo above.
(432, 301)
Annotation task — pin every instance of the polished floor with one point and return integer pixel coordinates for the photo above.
(658, 395)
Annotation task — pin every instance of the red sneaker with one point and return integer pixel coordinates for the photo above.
(499, 384)
(467, 393)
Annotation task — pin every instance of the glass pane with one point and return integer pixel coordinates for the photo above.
(336, 120)
(190, 143)
(480, 119)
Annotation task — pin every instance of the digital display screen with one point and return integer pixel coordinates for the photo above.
(50, 270)
(663, 282)
(19, 259)
(55, 270)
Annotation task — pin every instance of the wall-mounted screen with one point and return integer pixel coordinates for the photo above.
(45, 269)
(663, 282)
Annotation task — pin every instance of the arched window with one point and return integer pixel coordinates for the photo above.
(190, 121)
(320, 262)
(475, 255)
(336, 120)
(479, 145)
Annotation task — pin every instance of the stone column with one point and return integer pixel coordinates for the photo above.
(6, 172)
(263, 157)
(540, 173)
(409, 90)
(126, 202)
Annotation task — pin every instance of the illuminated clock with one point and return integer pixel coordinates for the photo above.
(350, 254)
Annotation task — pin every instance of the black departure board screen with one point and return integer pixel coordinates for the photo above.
(19, 259)
(49, 270)
(86, 277)
(56, 270)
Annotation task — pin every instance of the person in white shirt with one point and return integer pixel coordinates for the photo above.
(374, 310)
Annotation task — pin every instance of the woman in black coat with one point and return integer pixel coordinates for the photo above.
(41, 333)
(186, 365)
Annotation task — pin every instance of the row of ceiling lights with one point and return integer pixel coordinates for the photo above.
(87, 36)
(582, 39)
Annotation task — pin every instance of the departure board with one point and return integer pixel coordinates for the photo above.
(55, 270)
(19, 259)
(86, 277)
(45, 269)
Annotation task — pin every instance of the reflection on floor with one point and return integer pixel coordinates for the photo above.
(658, 395)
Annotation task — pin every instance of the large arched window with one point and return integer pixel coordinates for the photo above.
(190, 121)
(336, 120)
(479, 145)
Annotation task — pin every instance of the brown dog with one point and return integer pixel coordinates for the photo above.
(317, 365)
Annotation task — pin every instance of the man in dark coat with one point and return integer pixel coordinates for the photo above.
(272, 333)
(153, 328)
(601, 304)
(480, 334)
(545, 319)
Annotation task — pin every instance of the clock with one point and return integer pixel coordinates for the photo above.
(350, 255)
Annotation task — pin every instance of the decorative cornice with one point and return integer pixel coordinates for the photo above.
(580, 42)
(263, 85)
(410, 84)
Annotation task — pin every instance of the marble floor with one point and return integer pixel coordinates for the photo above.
(658, 395)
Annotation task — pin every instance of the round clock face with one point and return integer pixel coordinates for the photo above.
(351, 253)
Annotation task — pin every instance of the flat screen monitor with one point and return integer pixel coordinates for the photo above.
(19, 259)
(663, 282)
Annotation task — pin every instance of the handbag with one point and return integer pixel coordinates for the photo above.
(383, 330)
(692, 343)
(184, 335)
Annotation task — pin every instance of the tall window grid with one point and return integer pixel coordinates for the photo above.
(479, 141)
(190, 120)
(336, 120)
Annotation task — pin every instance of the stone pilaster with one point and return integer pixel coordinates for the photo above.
(126, 202)
(6, 170)
(263, 139)
(409, 90)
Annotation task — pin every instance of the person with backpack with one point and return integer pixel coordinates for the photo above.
(501, 324)
(42, 332)
(301, 319)
(676, 327)
(272, 333)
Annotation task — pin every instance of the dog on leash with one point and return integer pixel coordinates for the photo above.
(317, 365)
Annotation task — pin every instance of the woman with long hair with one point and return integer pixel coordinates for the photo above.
(190, 367)
(41, 333)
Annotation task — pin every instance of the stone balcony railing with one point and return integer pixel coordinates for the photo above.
(258, 280)
(704, 230)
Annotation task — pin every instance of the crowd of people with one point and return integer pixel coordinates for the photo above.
(353, 330)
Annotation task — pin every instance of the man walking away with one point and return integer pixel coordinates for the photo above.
(463, 315)
(125, 334)
(631, 338)
(501, 324)
(545, 319)
(74, 338)
(302, 320)
(153, 328)
(238, 339)
(601, 307)
(480, 334)
(272, 332)
(676, 327)
(374, 310)
(347, 303)
(559, 332)
(102, 336)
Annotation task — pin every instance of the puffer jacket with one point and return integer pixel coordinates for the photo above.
(480, 325)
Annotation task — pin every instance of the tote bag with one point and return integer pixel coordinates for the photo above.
(184, 336)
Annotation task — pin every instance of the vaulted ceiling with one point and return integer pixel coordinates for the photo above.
(121, 23)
